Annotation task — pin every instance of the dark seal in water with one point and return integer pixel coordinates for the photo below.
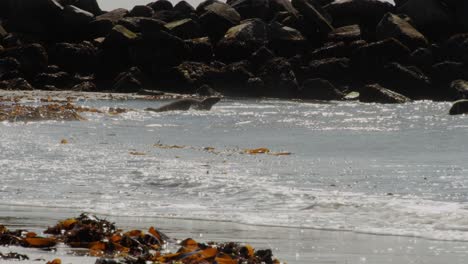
(186, 104)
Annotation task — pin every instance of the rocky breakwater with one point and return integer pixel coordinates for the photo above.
(309, 49)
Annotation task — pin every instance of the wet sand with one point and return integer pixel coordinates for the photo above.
(291, 245)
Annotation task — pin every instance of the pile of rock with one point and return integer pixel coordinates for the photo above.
(310, 49)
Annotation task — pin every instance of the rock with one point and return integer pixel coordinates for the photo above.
(120, 36)
(279, 78)
(459, 107)
(75, 57)
(188, 76)
(75, 17)
(33, 58)
(16, 84)
(184, 8)
(150, 26)
(233, 80)
(8, 65)
(346, 33)
(89, 5)
(285, 41)
(456, 48)
(114, 15)
(314, 19)
(447, 71)
(392, 26)
(374, 93)
(61, 80)
(218, 18)
(319, 89)
(3, 32)
(241, 41)
(85, 87)
(206, 90)
(160, 5)
(277, 6)
(185, 29)
(252, 8)
(202, 49)
(261, 56)
(408, 81)
(201, 8)
(128, 81)
(460, 89)
(374, 55)
(168, 15)
(141, 11)
(366, 13)
(423, 58)
(330, 69)
(330, 50)
(429, 16)
(99, 28)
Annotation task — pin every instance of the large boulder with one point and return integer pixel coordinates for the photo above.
(279, 79)
(330, 69)
(201, 49)
(460, 89)
(75, 57)
(374, 93)
(393, 26)
(447, 71)
(88, 5)
(120, 36)
(252, 8)
(185, 28)
(218, 18)
(33, 58)
(114, 15)
(366, 13)
(459, 107)
(430, 16)
(141, 11)
(374, 55)
(59, 80)
(408, 81)
(241, 41)
(76, 18)
(346, 33)
(285, 41)
(319, 89)
(129, 81)
(456, 48)
(160, 5)
(188, 76)
(184, 8)
(315, 19)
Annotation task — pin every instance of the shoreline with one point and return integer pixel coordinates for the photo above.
(291, 245)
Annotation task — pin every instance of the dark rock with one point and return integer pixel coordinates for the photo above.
(16, 84)
(150, 26)
(8, 65)
(33, 58)
(365, 13)
(374, 55)
(460, 89)
(429, 16)
(456, 48)
(218, 18)
(99, 28)
(3, 32)
(168, 15)
(314, 19)
(233, 80)
(89, 5)
(201, 8)
(330, 69)
(141, 11)
(374, 93)
(53, 69)
(206, 90)
(392, 26)
(114, 15)
(85, 87)
(75, 17)
(279, 78)
(128, 82)
(184, 8)
(261, 56)
(423, 58)
(185, 29)
(319, 89)
(329, 50)
(120, 36)
(345, 33)
(241, 41)
(285, 41)
(75, 57)
(459, 107)
(61, 80)
(131, 23)
(252, 8)
(447, 71)
(188, 76)
(202, 49)
(160, 5)
(277, 6)
(407, 81)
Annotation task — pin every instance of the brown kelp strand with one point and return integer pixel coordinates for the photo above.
(112, 245)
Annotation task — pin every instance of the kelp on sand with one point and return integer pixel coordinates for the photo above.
(104, 240)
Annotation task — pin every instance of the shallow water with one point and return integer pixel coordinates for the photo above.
(379, 169)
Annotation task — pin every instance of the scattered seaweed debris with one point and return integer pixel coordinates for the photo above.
(13, 256)
(112, 245)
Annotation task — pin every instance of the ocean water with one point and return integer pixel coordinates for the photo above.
(365, 168)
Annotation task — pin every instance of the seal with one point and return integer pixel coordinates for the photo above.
(186, 104)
